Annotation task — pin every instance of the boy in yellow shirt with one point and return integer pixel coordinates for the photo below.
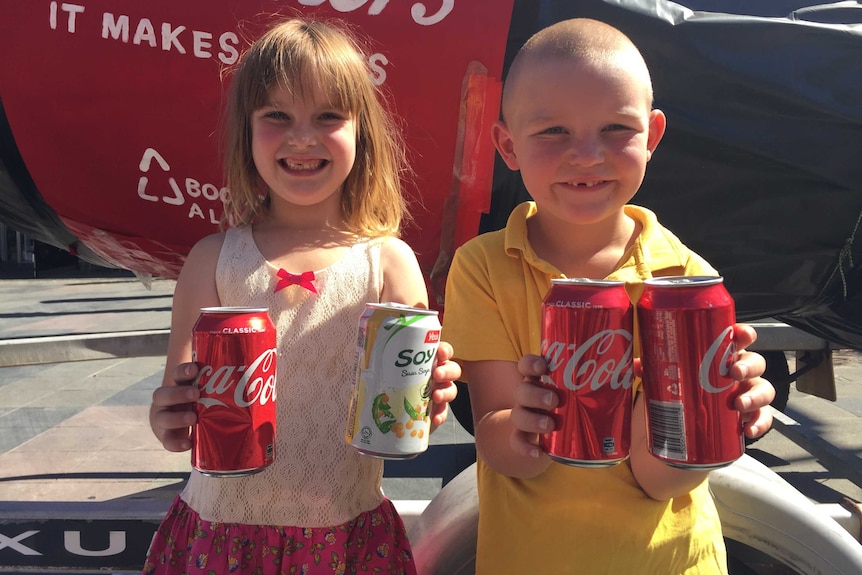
(578, 123)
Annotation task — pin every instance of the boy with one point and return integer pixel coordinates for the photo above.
(579, 125)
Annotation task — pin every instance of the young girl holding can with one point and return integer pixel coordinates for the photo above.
(313, 166)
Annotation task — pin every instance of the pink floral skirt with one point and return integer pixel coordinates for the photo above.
(372, 542)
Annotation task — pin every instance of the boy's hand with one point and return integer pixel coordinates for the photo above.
(755, 393)
(443, 389)
(532, 399)
(529, 412)
(171, 413)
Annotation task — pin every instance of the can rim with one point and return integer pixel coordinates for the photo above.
(402, 307)
(233, 309)
(684, 281)
(586, 281)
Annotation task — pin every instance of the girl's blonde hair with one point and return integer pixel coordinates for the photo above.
(299, 55)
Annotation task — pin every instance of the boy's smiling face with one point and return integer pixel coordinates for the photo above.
(581, 134)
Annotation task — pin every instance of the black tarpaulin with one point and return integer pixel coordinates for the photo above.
(761, 165)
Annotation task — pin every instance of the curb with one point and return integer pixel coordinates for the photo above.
(59, 349)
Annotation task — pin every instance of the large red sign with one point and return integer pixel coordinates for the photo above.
(115, 109)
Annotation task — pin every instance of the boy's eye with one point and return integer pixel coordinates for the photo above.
(553, 130)
(616, 127)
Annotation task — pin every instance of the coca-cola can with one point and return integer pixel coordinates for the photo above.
(686, 327)
(587, 330)
(396, 349)
(235, 349)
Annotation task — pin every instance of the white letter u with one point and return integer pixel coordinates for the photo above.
(116, 544)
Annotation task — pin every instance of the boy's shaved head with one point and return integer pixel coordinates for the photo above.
(579, 40)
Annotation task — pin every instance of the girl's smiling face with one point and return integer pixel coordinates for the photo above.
(303, 149)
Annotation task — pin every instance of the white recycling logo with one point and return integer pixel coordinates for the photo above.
(192, 191)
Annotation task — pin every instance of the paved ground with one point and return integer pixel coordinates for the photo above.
(77, 430)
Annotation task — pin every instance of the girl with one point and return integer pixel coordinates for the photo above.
(313, 165)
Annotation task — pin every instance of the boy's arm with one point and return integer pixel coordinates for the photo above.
(658, 480)
(507, 449)
(662, 482)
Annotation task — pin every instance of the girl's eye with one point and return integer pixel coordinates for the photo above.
(333, 116)
(272, 115)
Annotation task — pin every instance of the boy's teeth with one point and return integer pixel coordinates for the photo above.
(586, 184)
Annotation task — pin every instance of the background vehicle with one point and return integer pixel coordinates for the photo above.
(109, 147)
(109, 122)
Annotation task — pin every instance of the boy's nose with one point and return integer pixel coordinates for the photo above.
(585, 152)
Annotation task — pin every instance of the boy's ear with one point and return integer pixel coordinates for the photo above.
(502, 139)
(657, 126)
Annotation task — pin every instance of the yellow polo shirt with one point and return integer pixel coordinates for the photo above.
(570, 519)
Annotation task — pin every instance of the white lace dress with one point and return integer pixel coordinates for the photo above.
(317, 478)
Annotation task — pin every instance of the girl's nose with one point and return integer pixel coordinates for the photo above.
(301, 136)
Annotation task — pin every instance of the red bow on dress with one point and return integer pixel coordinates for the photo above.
(289, 279)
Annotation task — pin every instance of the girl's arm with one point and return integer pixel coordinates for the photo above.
(170, 413)
(403, 283)
(402, 278)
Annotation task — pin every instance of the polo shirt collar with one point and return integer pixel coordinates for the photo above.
(654, 251)
(517, 244)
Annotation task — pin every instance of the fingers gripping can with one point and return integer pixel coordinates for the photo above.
(395, 352)
(587, 342)
(235, 349)
(686, 326)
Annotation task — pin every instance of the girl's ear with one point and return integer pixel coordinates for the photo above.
(657, 126)
(502, 139)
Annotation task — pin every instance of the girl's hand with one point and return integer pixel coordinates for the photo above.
(171, 413)
(443, 388)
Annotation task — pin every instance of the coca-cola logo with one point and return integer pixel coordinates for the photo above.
(718, 359)
(251, 384)
(593, 363)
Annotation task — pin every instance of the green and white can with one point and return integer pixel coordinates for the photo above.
(396, 348)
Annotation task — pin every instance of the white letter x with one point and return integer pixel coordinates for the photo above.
(15, 543)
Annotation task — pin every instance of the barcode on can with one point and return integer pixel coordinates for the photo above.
(667, 429)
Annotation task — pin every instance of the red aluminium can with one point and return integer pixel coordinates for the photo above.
(686, 326)
(587, 330)
(235, 349)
